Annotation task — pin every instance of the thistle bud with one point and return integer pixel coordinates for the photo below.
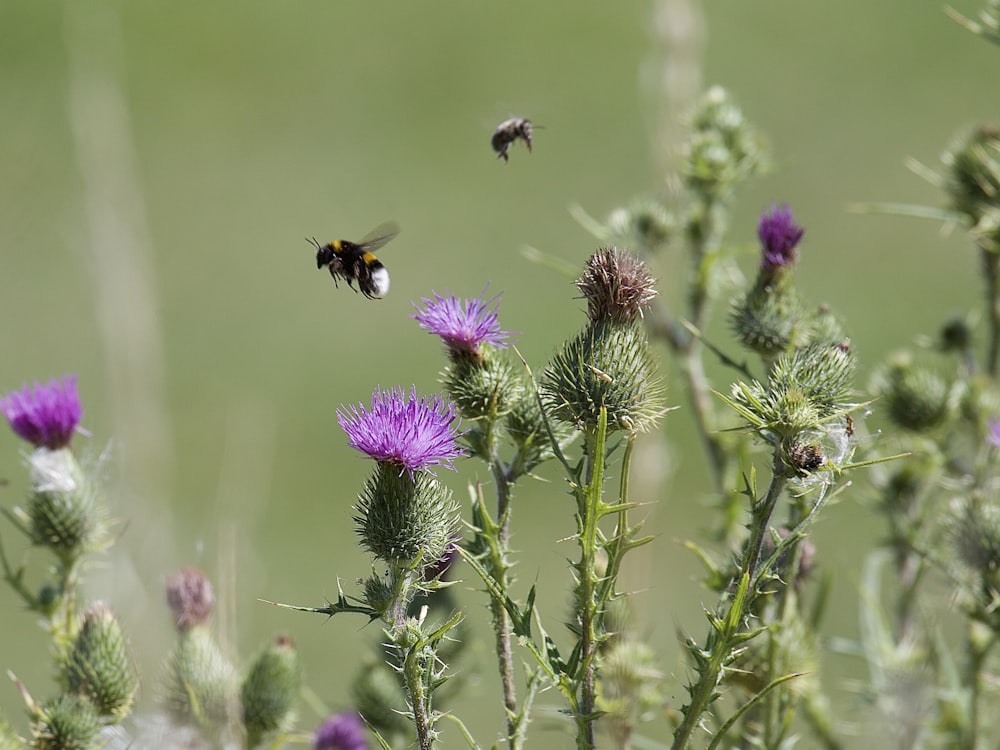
(917, 398)
(975, 538)
(770, 319)
(617, 285)
(973, 165)
(403, 518)
(199, 683)
(270, 689)
(807, 388)
(482, 387)
(646, 224)
(608, 365)
(69, 722)
(98, 666)
(723, 148)
(63, 507)
(190, 597)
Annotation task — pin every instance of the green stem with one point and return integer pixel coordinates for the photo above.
(991, 270)
(727, 631)
(588, 506)
(501, 620)
(980, 641)
(418, 695)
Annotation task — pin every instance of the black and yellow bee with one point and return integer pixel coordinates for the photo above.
(356, 261)
(509, 131)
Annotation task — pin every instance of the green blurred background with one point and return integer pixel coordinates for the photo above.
(162, 162)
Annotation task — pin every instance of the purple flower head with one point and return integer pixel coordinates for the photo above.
(44, 415)
(779, 236)
(413, 432)
(343, 731)
(993, 435)
(463, 325)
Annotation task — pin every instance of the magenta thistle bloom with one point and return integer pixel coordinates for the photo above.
(993, 435)
(414, 432)
(779, 236)
(44, 415)
(463, 325)
(343, 731)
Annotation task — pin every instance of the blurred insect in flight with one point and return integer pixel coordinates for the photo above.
(356, 261)
(507, 132)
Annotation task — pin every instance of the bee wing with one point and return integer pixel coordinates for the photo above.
(379, 236)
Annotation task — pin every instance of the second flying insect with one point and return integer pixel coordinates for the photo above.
(356, 261)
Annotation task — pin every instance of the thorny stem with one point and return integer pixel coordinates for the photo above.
(501, 620)
(704, 691)
(761, 513)
(417, 694)
(588, 507)
(980, 642)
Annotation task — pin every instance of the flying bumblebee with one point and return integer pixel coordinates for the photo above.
(356, 261)
(507, 132)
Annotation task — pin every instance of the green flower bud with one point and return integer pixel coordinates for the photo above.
(807, 388)
(270, 689)
(199, 683)
(769, 320)
(975, 537)
(98, 666)
(609, 364)
(646, 224)
(380, 592)
(973, 165)
(63, 510)
(723, 148)
(69, 722)
(403, 518)
(483, 385)
(916, 397)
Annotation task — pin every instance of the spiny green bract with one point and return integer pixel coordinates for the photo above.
(483, 386)
(270, 689)
(916, 397)
(199, 684)
(69, 722)
(402, 519)
(99, 667)
(607, 365)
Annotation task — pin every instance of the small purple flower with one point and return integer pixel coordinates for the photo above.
(993, 435)
(343, 731)
(463, 325)
(779, 236)
(44, 415)
(414, 432)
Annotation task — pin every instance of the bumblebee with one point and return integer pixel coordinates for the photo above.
(356, 261)
(507, 132)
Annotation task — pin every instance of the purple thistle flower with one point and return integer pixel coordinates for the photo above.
(993, 436)
(413, 432)
(343, 731)
(779, 236)
(44, 415)
(463, 325)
